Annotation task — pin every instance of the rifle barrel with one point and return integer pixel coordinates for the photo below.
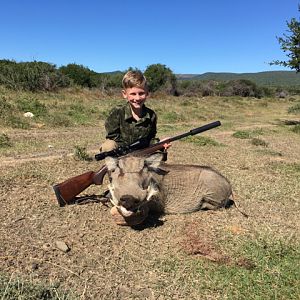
(193, 131)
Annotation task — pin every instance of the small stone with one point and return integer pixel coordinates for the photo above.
(28, 114)
(46, 246)
(34, 266)
(60, 245)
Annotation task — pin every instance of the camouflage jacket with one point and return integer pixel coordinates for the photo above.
(124, 129)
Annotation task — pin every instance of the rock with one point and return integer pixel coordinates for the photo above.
(28, 114)
(60, 245)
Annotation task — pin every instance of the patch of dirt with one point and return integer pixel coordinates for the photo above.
(198, 242)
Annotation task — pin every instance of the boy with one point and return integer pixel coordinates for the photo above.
(133, 121)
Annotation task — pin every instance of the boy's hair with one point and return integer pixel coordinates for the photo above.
(134, 79)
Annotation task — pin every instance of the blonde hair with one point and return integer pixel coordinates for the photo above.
(134, 79)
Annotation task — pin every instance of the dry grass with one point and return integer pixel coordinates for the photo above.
(205, 255)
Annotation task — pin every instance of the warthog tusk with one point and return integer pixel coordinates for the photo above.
(152, 191)
(124, 212)
(112, 199)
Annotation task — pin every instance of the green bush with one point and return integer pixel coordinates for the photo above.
(161, 77)
(81, 154)
(32, 76)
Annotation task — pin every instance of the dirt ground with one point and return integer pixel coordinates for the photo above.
(106, 261)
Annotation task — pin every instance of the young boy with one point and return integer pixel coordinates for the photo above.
(132, 121)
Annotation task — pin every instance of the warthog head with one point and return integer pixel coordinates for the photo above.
(132, 184)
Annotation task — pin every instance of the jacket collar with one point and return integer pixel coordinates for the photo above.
(128, 114)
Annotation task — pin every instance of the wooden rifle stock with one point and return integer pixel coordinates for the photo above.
(67, 191)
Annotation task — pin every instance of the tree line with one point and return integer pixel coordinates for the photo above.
(41, 76)
(38, 76)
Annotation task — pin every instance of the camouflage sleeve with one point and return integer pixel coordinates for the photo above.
(152, 135)
(112, 125)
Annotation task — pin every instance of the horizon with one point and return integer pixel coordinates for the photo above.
(189, 37)
(191, 74)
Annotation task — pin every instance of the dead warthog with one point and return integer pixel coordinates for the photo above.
(139, 185)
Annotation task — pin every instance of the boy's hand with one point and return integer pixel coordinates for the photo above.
(166, 145)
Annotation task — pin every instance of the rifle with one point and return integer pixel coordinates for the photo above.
(67, 191)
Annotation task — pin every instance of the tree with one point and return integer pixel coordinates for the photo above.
(290, 43)
(159, 76)
(80, 75)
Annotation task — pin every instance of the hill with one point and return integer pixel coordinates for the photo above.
(268, 78)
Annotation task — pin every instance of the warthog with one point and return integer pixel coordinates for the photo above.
(139, 185)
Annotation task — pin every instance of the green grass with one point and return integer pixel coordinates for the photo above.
(16, 288)
(296, 129)
(295, 109)
(288, 168)
(171, 116)
(29, 104)
(270, 152)
(247, 134)
(202, 141)
(5, 141)
(274, 273)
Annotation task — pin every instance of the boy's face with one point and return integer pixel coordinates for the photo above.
(136, 96)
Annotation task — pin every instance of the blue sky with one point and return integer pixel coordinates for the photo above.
(188, 36)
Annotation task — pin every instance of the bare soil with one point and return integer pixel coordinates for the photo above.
(107, 261)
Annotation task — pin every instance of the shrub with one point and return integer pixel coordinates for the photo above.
(161, 77)
(79, 74)
(81, 154)
(32, 76)
(259, 142)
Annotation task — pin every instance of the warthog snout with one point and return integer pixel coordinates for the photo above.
(130, 185)
(129, 202)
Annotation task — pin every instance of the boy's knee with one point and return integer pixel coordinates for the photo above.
(108, 145)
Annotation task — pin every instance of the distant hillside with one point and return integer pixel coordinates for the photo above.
(270, 78)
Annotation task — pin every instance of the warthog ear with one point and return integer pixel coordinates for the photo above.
(153, 163)
(111, 163)
(154, 160)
